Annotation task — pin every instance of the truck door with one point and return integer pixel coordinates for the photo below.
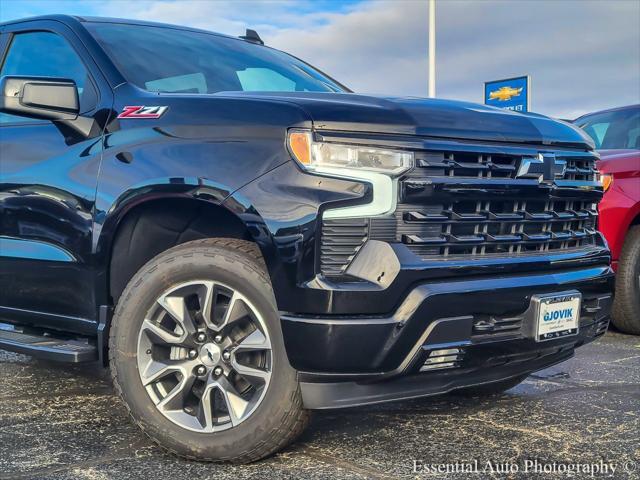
(48, 174)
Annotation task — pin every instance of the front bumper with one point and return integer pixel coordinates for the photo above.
(484, 322)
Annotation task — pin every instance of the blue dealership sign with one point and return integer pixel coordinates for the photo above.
(510, 93)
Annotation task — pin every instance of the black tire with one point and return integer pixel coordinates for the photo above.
(626, 305)
(276, 421)
(495, 388)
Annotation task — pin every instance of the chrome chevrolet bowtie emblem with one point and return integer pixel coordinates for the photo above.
(210, 354)
(544, 167)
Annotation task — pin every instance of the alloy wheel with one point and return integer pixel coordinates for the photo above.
(204, 356)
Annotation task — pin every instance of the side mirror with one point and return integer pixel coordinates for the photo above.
(39, 97)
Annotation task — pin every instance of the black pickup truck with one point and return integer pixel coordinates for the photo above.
(243, 239)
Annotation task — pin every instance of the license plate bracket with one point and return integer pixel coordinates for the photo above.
(556, 315)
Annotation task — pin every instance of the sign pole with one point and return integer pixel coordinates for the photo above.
(432, 48)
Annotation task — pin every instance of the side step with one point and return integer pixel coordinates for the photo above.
(46, 346)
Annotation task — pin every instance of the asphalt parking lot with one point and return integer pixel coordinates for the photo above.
(61, 422)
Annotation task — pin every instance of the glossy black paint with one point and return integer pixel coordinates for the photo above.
(324, 345)
(66, 188)
(48, 175)
(299, 290)
(331, 394)
(419, 117)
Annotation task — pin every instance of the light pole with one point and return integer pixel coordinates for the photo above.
(432, 48)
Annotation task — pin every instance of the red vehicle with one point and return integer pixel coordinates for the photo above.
(616, 133)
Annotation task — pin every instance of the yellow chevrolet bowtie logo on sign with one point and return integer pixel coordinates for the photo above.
(505, 93)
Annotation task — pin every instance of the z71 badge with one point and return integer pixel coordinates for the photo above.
(140, 111)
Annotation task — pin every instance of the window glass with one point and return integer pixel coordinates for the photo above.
(190, 83)
(616, 130)
(46, 54)
(172, 60)
(265, 79)
(597, 131)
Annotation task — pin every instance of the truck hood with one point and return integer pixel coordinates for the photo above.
(426, 117)
(618, 161)
(618, 154)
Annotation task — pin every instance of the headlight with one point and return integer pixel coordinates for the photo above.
(348, 160)
(377, 166)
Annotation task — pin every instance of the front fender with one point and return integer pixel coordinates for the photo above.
(617, 211)
(281, 210)
(143, 164)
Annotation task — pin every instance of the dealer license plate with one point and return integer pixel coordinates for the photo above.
(558, 316)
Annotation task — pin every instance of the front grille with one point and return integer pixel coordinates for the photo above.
(476, 202)
(465, 164)
(579, 166)
(485, 227)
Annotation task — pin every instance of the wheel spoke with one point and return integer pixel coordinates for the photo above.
(255, 376)
(236, 405)
(206, 297)
(156, 369)
(176, 397)
(159, 334)
(236, 310)
(176, 307)
(256, 340)
(205, 412)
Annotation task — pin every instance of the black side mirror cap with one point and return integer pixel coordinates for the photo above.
(39, 97)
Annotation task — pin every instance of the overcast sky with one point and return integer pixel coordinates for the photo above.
(582, 55)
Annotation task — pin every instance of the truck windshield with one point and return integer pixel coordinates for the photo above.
(615, 130)
(171, 60)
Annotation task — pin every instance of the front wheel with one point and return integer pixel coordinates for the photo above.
(198, 358)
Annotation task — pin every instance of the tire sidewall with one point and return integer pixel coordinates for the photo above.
(626, 311)
(633, 286)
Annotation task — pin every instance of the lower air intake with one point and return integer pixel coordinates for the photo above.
(443, 359)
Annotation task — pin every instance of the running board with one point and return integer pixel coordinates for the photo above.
(48, 347)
